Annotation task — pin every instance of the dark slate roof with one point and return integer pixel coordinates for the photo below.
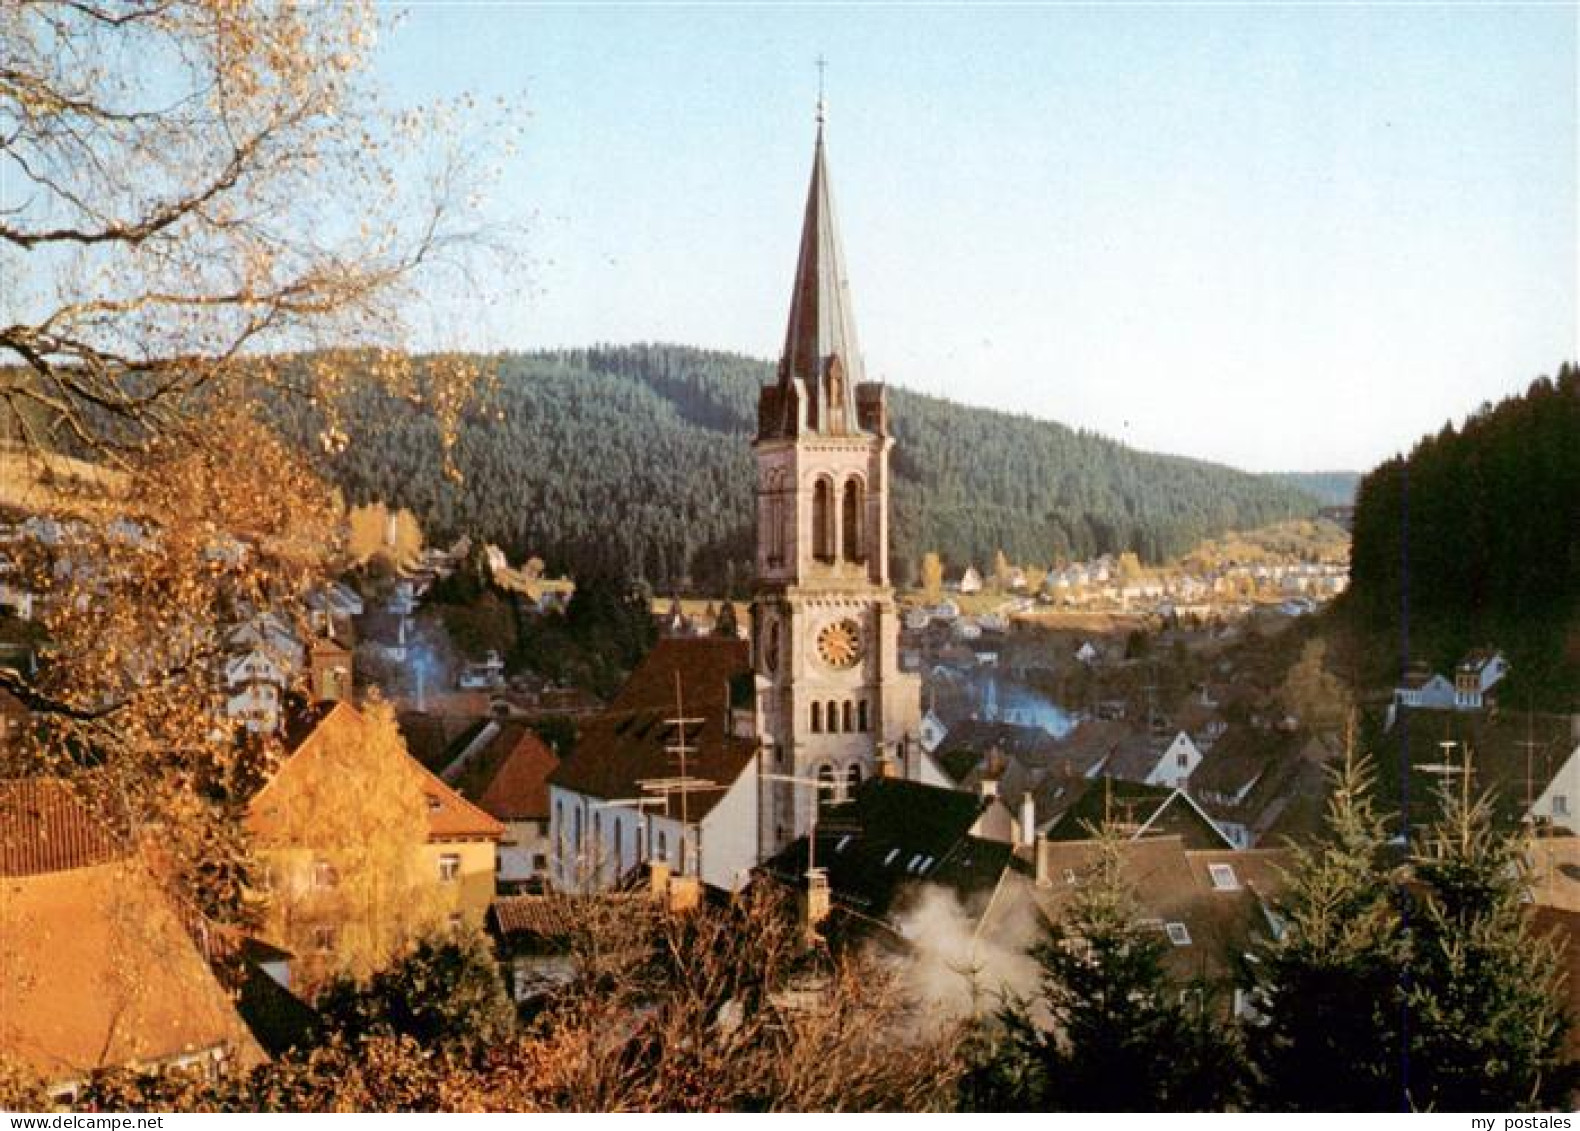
(1133, 758)
(893, 837)
(969, 741)
(623, 747)
(1171, 883)
(1150, 810)
(1240, 756)
(279, 1020)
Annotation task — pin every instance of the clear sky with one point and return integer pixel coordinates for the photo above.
(1278, 237)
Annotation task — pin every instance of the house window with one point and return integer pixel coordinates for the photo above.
(1182, 759)
(324, 939)
(1223, 877)
(1178, 935)
(324, 874)
(1069, 876)
(663, 845)
(449, 868)
(619, 849)
(852, 779)
(1560, 805)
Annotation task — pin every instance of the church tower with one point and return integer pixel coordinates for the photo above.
(832, 704)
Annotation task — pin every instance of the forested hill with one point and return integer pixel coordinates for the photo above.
(1331, 488)
(1474, 539)
(640, 456)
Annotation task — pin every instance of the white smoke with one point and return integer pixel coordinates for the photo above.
(964, 963)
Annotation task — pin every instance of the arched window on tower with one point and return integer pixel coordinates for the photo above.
(776, 519)
(851, 534)
(817, 717)
(850, 717)
(833, 717)
(823, 521)
(863, 722)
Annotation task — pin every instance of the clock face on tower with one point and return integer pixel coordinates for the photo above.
(839, 643)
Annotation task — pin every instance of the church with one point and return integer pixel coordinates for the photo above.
(716, 755)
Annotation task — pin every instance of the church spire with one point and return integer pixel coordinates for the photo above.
(820, 345)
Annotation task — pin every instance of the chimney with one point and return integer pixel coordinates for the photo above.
(988, 786)
(815, 901)
(685, 894)
(658, 879)
(1028, 820)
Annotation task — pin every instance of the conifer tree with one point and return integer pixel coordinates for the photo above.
(1327, 987)
(1120, 1039)
(1486, 1016)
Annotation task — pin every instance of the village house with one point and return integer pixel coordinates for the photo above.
(874, 853)
(1260, 785)
(96, 967)
(363, 845)
(505, 771)
(1141, 758)
(1475, 676)
(1134, 811)
(1213, 905)
(668, 772)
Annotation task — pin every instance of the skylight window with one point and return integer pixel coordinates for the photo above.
(1223, 877)
(915, 860)
(843, 841)
(889, 859)
(1178, 935)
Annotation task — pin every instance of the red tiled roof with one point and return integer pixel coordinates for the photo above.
(625, 746)
(517, 788)
(46, 827)
(544, 915)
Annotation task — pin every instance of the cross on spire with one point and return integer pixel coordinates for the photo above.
(822, 104)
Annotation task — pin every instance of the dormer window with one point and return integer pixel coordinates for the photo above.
(1223, 877)
(1178, 934)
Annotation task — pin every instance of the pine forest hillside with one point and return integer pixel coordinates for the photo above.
(1474, 539)
(1331, 488)
(638, 458)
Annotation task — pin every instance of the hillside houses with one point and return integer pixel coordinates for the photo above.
(1470, 690)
